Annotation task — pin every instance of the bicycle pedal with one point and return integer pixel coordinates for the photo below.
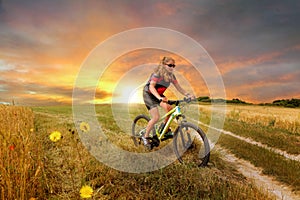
(154, 144)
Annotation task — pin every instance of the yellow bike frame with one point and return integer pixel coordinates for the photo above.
(172, 113)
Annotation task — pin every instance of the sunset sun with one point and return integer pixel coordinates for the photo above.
(128, 94)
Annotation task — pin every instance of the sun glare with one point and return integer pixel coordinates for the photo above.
(128, 94)
(136, 96)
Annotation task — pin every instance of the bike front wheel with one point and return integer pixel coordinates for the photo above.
(191, 145)
(139, 128)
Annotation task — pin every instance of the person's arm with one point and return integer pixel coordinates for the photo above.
(154, 91)
(182, 91)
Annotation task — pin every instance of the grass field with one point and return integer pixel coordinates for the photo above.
(285, 119)
(36, 166)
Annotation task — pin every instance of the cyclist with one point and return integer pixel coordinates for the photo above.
(153, 93)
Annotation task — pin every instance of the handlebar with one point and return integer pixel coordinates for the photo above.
(177, 102)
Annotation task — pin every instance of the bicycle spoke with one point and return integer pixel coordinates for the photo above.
(191, 145)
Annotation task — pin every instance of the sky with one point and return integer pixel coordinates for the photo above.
(44, 44)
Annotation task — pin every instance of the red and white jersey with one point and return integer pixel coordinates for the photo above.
(161, 84)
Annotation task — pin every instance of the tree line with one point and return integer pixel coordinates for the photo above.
(209, 100)
(289, 103)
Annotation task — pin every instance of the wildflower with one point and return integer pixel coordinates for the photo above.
(55, 136)
(86, 191)
(11, 147)
(85, 127)
(31, 130)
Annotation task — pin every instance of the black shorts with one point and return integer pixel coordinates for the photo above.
(150, 100)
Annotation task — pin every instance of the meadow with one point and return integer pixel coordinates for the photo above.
(43, 157)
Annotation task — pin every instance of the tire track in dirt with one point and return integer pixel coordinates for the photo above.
(253, 142)
(278, 189)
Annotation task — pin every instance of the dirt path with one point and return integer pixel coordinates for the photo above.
(280, 191)
(253, 142)
(278, 151)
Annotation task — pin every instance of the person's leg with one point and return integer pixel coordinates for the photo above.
(167, 108)
(154, 113)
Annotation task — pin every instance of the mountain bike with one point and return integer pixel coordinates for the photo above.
(190, 143)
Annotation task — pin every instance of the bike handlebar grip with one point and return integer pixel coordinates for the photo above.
(171, 102)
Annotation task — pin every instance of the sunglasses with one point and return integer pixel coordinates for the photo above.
(171, 65)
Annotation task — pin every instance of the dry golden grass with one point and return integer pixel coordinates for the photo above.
(277, 117)
(20, 164)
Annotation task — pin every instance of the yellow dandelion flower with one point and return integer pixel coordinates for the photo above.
(31, 130)
(85, 127)
(55, 136)
(86, 192)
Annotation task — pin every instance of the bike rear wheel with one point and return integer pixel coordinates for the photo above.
(139, 128)
(191, 145)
